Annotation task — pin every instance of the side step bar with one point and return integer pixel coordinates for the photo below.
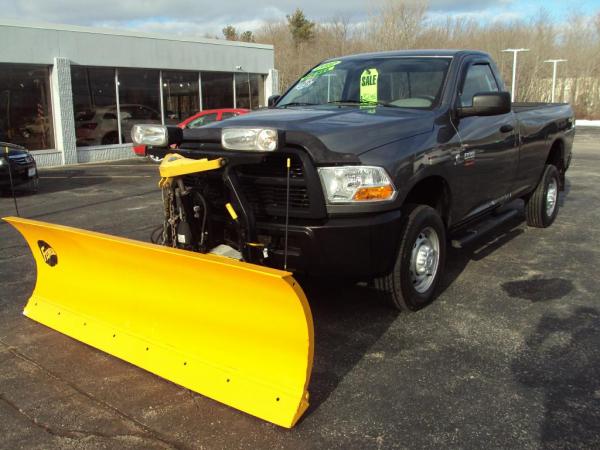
(484, 227)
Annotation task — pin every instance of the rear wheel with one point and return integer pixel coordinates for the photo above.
(413, 281)
(541, 207)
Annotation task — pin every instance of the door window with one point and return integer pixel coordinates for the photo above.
(479, 79)
(228, 115)
(202, 120)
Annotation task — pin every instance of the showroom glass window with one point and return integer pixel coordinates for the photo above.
(25, 109)
(217, 90)
(139, 99)
(94, 105)
(181, 98)
(249, 90)
(257, 83)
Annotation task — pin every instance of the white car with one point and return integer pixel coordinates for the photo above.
(99, 126)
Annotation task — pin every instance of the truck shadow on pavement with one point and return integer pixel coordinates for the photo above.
(457, 259)
(564, 194)
(349, 319)
(561, 360)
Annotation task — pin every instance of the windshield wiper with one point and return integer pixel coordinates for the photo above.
(359, 102)
(298, 104)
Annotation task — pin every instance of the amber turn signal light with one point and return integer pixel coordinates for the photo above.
(374, 193)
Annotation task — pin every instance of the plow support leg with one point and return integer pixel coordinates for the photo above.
(236, 332)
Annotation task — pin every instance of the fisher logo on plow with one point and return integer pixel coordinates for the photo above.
(48, 253)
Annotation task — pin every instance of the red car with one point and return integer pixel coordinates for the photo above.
(198, 120)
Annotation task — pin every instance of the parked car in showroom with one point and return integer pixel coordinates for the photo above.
(196, 121)
(99, 126)
(17, 163)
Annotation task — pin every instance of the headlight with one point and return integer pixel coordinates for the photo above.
(2, 161)
(155, 135)
(354, 184)
(251, 139)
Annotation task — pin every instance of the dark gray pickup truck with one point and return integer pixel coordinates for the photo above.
(391, 156)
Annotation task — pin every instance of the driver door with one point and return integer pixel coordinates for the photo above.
(487, 163)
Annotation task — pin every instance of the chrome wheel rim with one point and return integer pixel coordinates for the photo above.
(425, 259)
(551, 197)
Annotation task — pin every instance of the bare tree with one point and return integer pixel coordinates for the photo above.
(404, 24)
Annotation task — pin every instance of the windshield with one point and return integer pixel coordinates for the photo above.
(394, 82)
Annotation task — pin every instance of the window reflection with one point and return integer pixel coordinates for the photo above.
(258, 90)
(180, 95)
(204, 119)
(249, 90)
(25, 110)
(228, 115)
(217, 90)
(94, 105)
(139, 99)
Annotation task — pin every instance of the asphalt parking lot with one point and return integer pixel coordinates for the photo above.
(508, 356)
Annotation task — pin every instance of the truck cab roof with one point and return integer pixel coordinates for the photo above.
(430, 53)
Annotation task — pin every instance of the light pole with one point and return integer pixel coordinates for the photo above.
(554, 64)
(514, 74)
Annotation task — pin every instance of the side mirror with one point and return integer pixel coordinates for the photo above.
(272, 100)
(487, 104)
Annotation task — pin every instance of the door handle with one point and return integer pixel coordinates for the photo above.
(506, 128)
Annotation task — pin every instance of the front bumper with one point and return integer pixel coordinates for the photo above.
(359, 247)
(21, 174)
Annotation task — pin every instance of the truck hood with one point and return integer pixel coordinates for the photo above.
(345, 129)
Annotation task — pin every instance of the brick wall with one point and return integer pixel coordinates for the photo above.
(105, 153)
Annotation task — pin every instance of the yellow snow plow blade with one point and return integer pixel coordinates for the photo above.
(239, 333)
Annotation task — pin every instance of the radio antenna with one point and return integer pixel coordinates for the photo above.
(288, 164)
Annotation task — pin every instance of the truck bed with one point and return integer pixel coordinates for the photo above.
(528, 106)
(536, 118)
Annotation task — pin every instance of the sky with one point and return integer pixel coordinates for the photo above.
(197, 18)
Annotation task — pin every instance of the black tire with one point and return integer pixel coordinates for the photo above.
(398, 286)
(34, 185)
(154, 159)
(536, 205)
(111, 138)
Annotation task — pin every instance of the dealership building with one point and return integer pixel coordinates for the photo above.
(72, 94)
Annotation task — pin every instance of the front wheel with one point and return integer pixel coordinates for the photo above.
(155, 159)
(541, 207)
(413, 281)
